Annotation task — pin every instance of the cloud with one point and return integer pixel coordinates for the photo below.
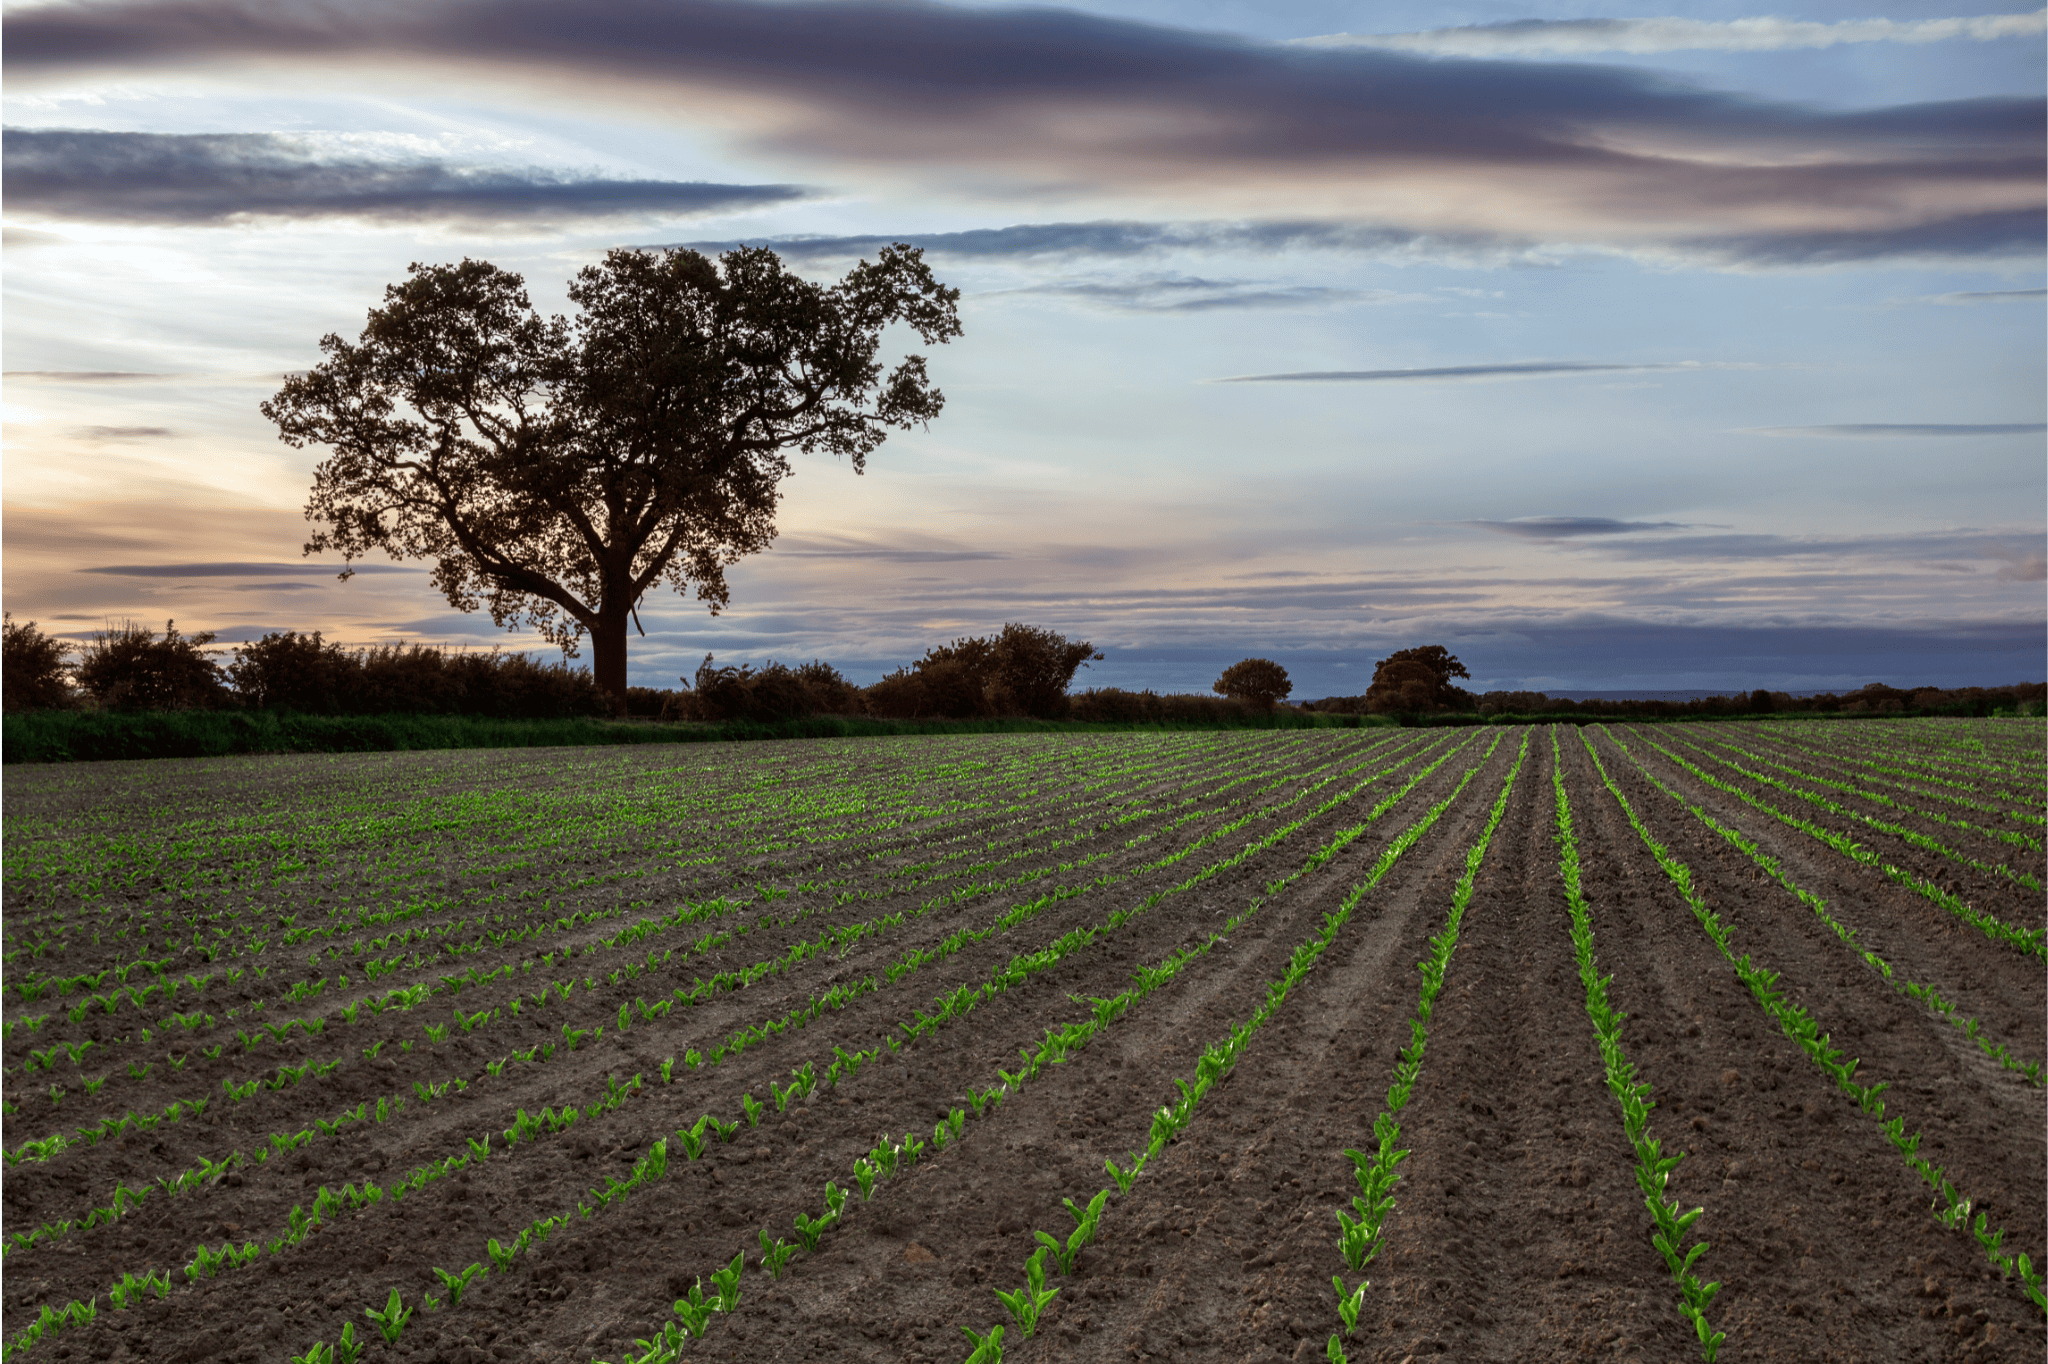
(2016, 549)
(1901, 430)
(1971, 297)
(1569, 37)
(814, 549)
(1111, 239)
(125, 432)
(236, 570)
(224, 177)
(1570, 527)
(1529, 370)
(1060, 103)
(83, 376)
(2029, 567)
(1185, 294)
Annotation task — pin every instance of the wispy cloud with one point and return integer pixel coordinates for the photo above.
(1971, 297)
(1570, 527)
(225, 177)
(1901, 430)
(1115, 239)
(1522, 370)
(1190, 294)
(1571, 37)
(1057, 102)
(103, 433)
(84, 376)
(901, 554)
(237, 570)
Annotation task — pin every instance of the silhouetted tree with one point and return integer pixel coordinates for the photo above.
(1417, 680)
(126, 667)
(295, 672)
(1260, 681)
(556, 471)
(1024, 670)
(32, 669)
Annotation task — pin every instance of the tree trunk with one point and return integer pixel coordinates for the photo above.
(608, 656)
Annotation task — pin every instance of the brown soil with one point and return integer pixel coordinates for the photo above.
(1518, 1232)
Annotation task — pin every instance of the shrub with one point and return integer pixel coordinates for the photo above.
(126, 667)
(1025, 670)
(1259, 681)
(32, 670)
(1109, 705)
(773, 692)
(291, 671)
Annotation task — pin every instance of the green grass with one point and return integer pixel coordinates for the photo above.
(99, 736)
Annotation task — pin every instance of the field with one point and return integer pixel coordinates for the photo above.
(1629, 1042)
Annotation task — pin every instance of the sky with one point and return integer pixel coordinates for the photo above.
(1699, 348)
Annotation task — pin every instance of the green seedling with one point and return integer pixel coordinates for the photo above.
(809, 1229)
(392, 1319)
(988, 1349)
(348, 1350)
(1335, 1352)
(694, 1310)
(668, 1068)
(775, 1256)
(1122, 1177)
(753, 1108)
(693, 1138)
(726, 1130)
(456, 1283)
(864, 1174)
(501, 1255)
(1027, 1302)
(1350, 1302)
(727, 1281)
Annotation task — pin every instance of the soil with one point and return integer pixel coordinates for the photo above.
(1518, 1232)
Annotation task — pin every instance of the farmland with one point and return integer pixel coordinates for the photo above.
(1510, 1043)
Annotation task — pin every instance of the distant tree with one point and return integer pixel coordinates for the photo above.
(1024, 670)
(1260, 681)
(32, 669)
(557, 471)
(126, 667)
(1417, 680)
(291, 671)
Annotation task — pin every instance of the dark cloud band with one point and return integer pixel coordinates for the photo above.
(236, 570)
(1904, 430)
(1062, 100)
(1536, 369)
(217, 178)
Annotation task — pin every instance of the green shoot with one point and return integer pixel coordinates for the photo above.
(391, 1321)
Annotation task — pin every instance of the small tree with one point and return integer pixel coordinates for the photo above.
(126, 667)
(1260, 681)
(556, 471)
(32, 670)
(1418, 680)
(291, 671)
(1024, 670)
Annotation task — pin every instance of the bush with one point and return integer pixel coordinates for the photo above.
(1113, 705)
(126, 667)
(298, 672)
(1415, 681)
(1258, 681)
(771, 693)
(32, 670)
(1023, 671)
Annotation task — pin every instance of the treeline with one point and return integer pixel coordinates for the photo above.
(1023, 672)
(1875, 699)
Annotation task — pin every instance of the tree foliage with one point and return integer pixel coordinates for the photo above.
(1416, 680)
(1024, 670)
(555, 471)
(32, 675)
(126, 667)
(1260, 681)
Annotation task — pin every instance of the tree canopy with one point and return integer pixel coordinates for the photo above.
(1417, 679)
(1260, 681)
(556, 470)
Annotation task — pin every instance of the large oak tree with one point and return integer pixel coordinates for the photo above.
(556, 470)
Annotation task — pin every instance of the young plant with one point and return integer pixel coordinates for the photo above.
(775, 1256)
(988, 1349)
(752, 1107)
(727, 1281)
(694, 1310)
(1027, 1302)
(456, 1283)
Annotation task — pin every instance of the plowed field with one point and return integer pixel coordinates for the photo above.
(793, 1051)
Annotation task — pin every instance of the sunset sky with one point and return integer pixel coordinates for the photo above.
(1697, 348)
